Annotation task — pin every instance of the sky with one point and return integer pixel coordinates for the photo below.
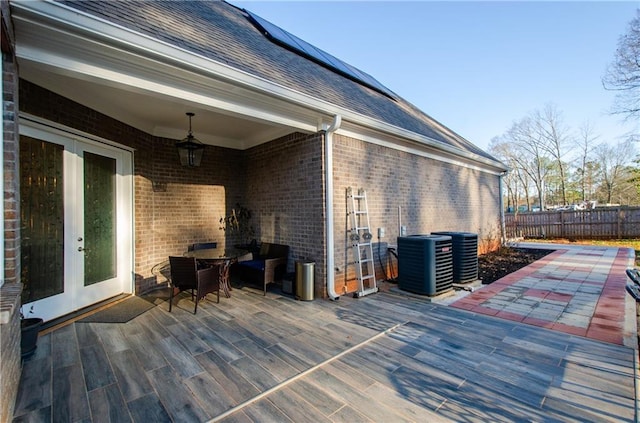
(476, 67)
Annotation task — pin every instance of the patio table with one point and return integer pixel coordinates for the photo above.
(220, 255)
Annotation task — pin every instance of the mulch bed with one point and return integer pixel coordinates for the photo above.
(497, 264)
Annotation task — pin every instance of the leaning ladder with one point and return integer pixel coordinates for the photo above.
(360, 239)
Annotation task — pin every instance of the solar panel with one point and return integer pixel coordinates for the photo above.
(297, 45)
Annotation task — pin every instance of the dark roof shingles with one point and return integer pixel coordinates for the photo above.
(221, 32)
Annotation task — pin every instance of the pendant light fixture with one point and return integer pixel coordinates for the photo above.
(190, 149)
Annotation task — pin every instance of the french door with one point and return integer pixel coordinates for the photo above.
(76, 221)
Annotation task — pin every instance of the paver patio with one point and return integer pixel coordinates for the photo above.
(384, 357)
(576, 289)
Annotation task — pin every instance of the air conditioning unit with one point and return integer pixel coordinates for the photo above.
(465, 256)
(425, 264)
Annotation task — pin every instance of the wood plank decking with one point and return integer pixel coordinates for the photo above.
(381, 358)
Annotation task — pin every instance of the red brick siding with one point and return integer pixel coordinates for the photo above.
(10, 335)
(10, 362)
(432, 195)
(10, 163)
(285, 191)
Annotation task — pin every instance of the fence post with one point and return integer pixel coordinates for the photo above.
(561, 224)
(619, 223)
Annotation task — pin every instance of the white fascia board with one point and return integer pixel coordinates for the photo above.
(83, 25)
(417, 149)
(439, 149)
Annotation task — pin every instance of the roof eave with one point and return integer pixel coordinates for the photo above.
(95, 28)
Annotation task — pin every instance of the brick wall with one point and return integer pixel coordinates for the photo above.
(174, 206)
(285, 191)
(10, 146)
(10, 360)
(432, 195)
(282, 183)
(10, 289)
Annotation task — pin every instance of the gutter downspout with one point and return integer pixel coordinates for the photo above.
(329, 241)
(502, 217)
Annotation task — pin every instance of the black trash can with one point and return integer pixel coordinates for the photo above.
(305, 277)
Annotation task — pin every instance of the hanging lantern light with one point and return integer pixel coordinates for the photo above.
(190, 150)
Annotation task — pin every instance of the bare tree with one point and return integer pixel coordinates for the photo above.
(591, 176)
(614, 161)
(553, 137)
(532, 157)
(585, 172)
(516, 181)
(623, 75)
(537, 149)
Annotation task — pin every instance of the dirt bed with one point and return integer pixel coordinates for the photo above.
(497, 264)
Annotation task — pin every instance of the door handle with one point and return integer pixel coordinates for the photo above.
(80, 249)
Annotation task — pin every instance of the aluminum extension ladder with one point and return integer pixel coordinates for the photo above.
(360, 238)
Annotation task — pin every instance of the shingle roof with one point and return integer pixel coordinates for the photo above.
(221, 32)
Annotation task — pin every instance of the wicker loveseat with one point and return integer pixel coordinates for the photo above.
(265, 267)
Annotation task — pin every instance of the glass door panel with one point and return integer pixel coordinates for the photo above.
(42, 219)
(99, 218)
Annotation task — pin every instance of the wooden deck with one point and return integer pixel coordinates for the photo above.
(381, 358)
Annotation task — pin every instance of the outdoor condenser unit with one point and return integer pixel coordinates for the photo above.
(465, 256)
(425, 264)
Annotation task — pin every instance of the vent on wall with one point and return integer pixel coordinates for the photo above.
(465, 256)
(425, 264)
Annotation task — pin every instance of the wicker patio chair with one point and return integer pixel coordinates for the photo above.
(185, 275)
(634, 275)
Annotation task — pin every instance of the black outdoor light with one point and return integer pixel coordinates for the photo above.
(190, 149)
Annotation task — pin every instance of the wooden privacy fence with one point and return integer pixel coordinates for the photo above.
(614, 222)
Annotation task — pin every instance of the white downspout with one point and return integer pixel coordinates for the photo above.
(329, 241)
(503, 228)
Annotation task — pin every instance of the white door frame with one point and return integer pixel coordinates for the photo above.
(125, 254)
